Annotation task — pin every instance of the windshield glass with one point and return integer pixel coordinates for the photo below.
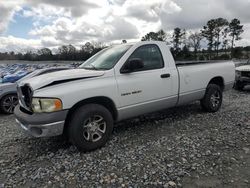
(105, 59)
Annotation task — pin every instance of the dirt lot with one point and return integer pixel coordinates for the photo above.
(180, 147)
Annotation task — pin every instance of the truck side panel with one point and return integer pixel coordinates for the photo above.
(195, 78)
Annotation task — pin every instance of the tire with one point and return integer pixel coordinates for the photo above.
(8, 103)
(213, 98)
(239, 86)
(90, 127)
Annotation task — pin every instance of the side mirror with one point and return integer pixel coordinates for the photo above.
(132, 65)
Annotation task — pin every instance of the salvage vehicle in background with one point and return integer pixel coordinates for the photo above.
(12, 78)
(5, 71)
(8, 91)
(118, 83)
(242, 77)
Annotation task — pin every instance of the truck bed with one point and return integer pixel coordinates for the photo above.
(193, 80)
(186, 63)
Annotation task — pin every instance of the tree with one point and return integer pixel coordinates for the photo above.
(178, 38)
(98, 46)
(235, 30)
(71, 52)
(162, 36)
(87, 50)
(158, 36)
(44, 54)
(194, 41)
(150, 36)
(225, 43)
(124, 41)
(185, 53)
(208, 32)
(30, 55)
(220, 30)
(215, 31)
(63, 52)
(88, 47)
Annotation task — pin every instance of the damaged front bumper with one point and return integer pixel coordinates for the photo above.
(41, 124)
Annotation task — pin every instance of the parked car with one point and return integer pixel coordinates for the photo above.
(4, 73)
(117, 83)
(242, 77)
(11, 78)
(241, 62)
(8, 91)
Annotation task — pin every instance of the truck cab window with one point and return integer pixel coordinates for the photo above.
(150, 55)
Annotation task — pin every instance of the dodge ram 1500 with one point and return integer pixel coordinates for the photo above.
(118, 83)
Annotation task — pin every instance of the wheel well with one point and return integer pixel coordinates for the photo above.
(104, 101)
(5, 94)
(218, 81)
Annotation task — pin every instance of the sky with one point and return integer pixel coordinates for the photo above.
(34, 24)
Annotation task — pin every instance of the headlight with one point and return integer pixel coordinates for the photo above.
(237, 73)
(46, 105)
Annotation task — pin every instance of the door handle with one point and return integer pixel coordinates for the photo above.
(165, 75)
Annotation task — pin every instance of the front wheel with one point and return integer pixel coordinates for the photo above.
(8, 103)
(213, 98)
(90, 127)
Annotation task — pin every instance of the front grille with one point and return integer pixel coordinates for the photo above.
(245, 74)
(25, 96)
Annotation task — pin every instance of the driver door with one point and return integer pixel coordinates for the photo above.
(146, 89)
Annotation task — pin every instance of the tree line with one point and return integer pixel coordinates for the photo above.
(215, 40)
(65, 52)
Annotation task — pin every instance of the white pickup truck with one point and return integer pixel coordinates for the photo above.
(117, 83)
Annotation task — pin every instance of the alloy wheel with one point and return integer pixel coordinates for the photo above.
(9, 103)
(94, 128)
(215, 99)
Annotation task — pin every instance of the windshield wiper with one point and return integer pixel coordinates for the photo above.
(90, 68)
(93, 66)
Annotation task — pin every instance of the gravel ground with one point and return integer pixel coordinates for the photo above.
(180, 147)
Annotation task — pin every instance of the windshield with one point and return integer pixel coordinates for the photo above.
(105, 59)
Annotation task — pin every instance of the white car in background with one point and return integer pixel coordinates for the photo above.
(8, 91)
(242, 77)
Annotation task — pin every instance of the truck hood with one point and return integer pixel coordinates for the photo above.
(60, 77)
(243, 68)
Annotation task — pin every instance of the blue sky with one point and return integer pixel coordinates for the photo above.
(20, 26)
(28, 24)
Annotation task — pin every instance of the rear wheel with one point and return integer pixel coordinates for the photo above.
(8, 103)
(213, 98)
(90, 127)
